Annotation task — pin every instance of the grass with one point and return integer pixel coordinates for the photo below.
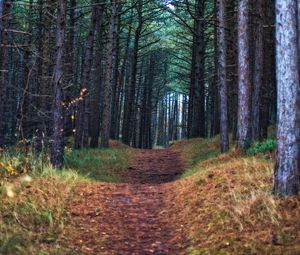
(227, 206)
(34, 196)
(105, 165)
(224, 201)
(196, 150)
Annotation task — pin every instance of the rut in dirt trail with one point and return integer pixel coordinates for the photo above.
(129, 218)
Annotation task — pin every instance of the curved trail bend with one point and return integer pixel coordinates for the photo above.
(129, 218)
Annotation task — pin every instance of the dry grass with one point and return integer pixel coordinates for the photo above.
(34, 196)
(32, 213)
(227, 206)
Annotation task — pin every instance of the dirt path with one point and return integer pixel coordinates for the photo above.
(129, 218)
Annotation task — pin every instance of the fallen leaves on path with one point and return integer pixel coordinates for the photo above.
(129, 218)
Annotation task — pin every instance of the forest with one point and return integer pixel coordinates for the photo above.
(143, 127)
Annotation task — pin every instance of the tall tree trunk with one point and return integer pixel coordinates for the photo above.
(45, 90)
(231, 35)
(197, 94)
(4, 70)
(57, 149)
(106, 115)
(224, 139)
(288, 128)
(116, 89)
(27, 99)
(258, 70)
(82, 120)
(130, 94)
(70, 65)
(269, 71)
(244, 82)
(97, 88)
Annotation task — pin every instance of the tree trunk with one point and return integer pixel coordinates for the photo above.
(288, 128)
(57, 150)
(45, 90)
(106, 115)
(97, 88)
(224, 139)
(82, 120)
(130, 94)
(269, 71)
(258, 71)
(244, 83)
(116, 89)
(197, 95)
(4, 70)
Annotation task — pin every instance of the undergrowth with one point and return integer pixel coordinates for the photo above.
(268, 145)
(227, 205)
(196, 150)
(106, 165)
(34, 196)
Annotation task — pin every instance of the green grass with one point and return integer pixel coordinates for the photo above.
(268, 145)
(195, 151)
(105, 165)
(33, 212)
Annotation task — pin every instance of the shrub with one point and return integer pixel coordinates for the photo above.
(268, 145)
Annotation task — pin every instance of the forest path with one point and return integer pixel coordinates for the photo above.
(129, 218)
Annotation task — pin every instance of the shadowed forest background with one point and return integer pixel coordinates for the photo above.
(88, 87)
(145, 73)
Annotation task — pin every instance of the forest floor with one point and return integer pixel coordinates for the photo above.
(188, 199)
(129, 218)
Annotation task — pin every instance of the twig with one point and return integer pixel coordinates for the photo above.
(19, 222)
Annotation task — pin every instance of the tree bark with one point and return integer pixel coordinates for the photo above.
(4, 70)
(244, 82)
(106, 115)
(224, 138)
(130, 93)
(97, 87)
(197, 95)
(57, 149)
(258, 71)
(45, 91)
(82, 120)
(288, 99)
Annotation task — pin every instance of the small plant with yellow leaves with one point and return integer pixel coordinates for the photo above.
(8, 169)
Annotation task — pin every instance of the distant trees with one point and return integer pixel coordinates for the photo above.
(147, 72)
(130, 90)
(248, 42)
(82, 120)
(98, 74)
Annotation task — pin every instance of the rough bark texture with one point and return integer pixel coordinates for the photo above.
(106, 115)
(288, 127)
(57, 150)
(224, 139)
(244, 82)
